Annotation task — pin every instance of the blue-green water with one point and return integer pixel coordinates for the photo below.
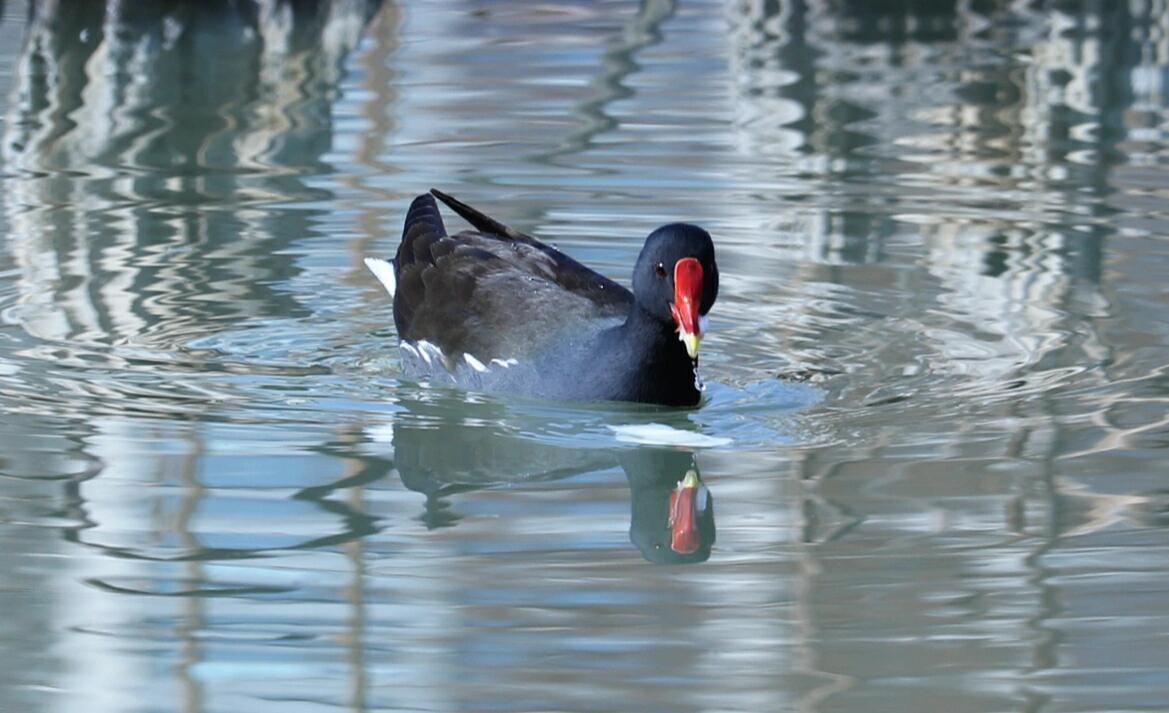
(938, 371)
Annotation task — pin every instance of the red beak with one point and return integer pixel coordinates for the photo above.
(687, 298)
(683, 515)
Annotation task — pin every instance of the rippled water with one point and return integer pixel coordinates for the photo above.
(938, 373)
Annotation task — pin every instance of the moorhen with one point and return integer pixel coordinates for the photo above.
(497, 310)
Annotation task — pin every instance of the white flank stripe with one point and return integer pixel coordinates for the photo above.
(475, 363)
(383, 270)
(431, 353)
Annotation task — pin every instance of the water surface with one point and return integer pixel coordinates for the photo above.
(938, 371)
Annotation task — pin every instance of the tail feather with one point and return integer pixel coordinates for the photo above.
(423, 216)
(482, 222)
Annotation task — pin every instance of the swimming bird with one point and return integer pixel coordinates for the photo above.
(497, 310)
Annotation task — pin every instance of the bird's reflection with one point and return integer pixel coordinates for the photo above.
(673, 513)
(439, 454)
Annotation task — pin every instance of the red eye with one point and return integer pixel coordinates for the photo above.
(660, 269)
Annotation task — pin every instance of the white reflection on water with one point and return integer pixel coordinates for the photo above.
(217, 494)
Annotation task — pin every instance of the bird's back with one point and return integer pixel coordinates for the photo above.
(492, 293)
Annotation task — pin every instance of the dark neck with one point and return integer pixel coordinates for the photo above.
(650, 333)
(661, 371)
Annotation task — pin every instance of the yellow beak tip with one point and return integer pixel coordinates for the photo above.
(691, 341)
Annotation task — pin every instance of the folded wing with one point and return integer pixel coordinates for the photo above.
(494, 293)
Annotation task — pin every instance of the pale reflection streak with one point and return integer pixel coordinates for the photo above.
(372, 219)
(374, 148)
(355, 592)
(193, 618)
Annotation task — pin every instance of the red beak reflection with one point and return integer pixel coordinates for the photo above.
(685, 503)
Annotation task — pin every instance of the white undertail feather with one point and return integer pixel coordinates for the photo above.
(383, 270)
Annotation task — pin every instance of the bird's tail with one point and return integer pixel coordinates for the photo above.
(482, 222)
(423, 216)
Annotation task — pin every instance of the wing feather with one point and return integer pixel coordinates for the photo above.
(498, 294)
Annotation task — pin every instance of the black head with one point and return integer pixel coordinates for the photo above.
(669, 286)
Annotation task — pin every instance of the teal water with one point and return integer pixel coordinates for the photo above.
(938, 371)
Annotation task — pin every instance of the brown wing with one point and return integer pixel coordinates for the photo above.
(495, 293)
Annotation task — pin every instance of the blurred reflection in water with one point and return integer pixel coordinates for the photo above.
(887, 151)
(439, 458)
(145, 145)
(150, 137)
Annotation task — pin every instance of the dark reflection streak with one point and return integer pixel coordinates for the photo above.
(797, 54)
(812, 530)
(437, 513)
(1046, 655)
(73, 535)
(617, 64)
(371, 471)
(436, 510)
(1115, 29)
(357, 525)
(810, 520)
(854, 521)
(75, 508)
(200, 593)
(812, 504)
